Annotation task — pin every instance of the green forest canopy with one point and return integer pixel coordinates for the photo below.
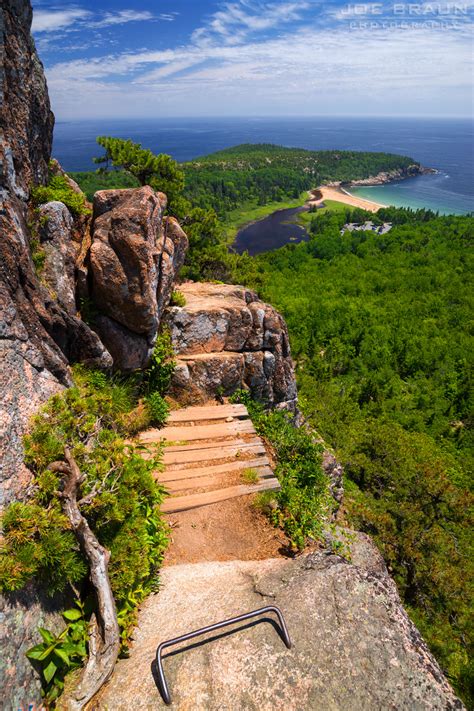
(381, 328)
(265, 173)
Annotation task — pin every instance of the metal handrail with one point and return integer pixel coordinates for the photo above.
(163, 687)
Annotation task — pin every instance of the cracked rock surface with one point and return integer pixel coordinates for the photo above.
(353, 644)
(225, 339)
(135, 256)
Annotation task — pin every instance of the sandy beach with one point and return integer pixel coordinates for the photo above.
(340, 195)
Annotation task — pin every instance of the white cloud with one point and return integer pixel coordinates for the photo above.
(236, 20)
(310, 68)
(76, 18)
(52, 20)
(303, 72)
(121, 17)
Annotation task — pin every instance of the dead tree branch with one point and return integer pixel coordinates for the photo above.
(104, 639)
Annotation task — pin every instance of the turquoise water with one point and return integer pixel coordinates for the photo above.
(428, 191)
(446, 145)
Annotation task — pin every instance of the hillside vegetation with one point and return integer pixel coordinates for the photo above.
(257, 174)
(214, 195)
(380, 329)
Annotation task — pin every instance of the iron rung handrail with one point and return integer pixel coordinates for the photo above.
(163, 687)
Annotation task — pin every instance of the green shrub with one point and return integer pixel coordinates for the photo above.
(178, 299)
(302, 504)
(38, 255)
(92, 418)
(57, 655)
(159, 372)
(59, 189)
(120, 500)
(158, 408)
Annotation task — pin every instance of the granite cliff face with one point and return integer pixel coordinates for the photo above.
(39, 332)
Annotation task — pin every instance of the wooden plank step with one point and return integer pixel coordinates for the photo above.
(188, 446)
(190, 433)
(202, 482)
(206, 455)
(216, 412)
(238, 465)
(191, 501)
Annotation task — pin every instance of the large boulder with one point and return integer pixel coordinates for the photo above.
(134, 258)
(353, 645)
(225, 338)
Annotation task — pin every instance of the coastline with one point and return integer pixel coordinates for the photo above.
(336, 191)
(339, 194)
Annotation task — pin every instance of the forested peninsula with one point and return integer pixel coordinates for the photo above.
(259, 174)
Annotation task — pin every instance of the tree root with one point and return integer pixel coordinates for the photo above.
(104, 634)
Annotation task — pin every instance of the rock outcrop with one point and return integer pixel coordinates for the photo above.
(225, 338)
(26, 117)
(60, 252)
(388, 176)
(39, 334)
(134, 259)
(353, 645)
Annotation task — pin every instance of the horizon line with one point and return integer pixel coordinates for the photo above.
(268, 116)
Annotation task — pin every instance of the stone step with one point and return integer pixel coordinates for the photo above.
(203, 482)
(191, 501)
(216, 412)
(214, 453)
(197, 432)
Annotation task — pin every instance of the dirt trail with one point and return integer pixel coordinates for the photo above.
(230, 530)
(206, 458)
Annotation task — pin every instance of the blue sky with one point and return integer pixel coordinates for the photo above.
(162, 58)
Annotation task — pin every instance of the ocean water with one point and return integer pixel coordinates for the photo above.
(447, 145)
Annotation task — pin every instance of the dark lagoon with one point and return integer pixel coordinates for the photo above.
(271, 232)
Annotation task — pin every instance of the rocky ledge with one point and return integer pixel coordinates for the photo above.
(385, 177)
(354, 646)
(392, 175)
(225, 338)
